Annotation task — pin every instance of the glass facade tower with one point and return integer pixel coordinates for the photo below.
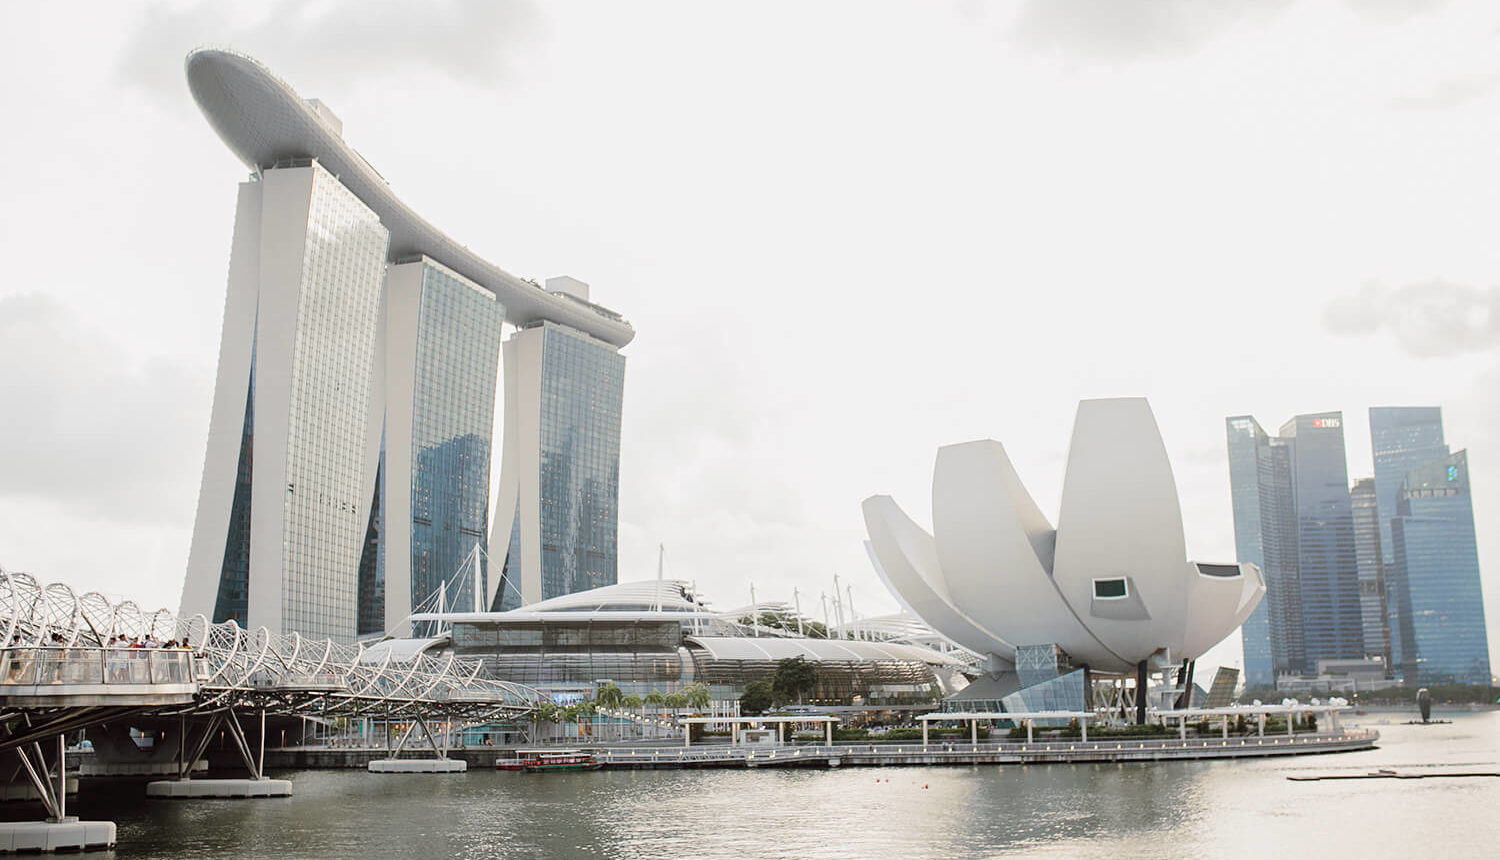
(1265, 530)
(283, 507)
(1401, 439)
(1294, 519)
(442, 352)
(1371, 570)
(564, 393)
(1327, 563)
(1437, 610)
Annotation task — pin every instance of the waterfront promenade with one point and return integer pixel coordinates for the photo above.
(884, 755)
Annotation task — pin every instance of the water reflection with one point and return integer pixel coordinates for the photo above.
(1204, 809)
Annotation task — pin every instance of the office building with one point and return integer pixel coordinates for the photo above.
(1436, 605)
(1372, 608)
(1292, 506)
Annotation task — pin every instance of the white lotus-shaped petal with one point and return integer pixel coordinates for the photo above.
(1111, 585)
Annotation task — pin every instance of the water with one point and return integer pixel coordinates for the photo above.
(1218, 809)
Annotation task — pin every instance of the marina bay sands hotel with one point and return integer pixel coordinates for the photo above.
(348, 467)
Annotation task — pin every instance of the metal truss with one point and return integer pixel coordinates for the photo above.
(237, 669)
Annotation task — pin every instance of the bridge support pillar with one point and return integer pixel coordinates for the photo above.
(440, 763)
(60, 832)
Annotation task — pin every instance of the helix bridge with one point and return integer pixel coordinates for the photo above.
(71, 661)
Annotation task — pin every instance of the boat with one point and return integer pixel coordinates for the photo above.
(546, 761)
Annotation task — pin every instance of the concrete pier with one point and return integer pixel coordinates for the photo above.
(183, 789)
(68, 834)
(418, 765)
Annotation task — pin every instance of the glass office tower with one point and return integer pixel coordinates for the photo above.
(1265, 528)
(558, 510)
(1401, 439)
(1293, 518)
(1371, 573)
(1247, 486)
(1437, 607)
(1327, 563)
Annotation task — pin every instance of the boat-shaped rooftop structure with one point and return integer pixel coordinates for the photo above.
(264, 122)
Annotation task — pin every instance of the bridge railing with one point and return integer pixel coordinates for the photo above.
(35, 665)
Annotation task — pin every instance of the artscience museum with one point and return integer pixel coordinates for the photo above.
(1107, 594)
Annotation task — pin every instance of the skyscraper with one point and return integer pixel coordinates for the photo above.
(442, 347)
(1371, 570)
(1293, 518)
(557, 513)
(1401, 439)
(1437, 608)
(347, 472)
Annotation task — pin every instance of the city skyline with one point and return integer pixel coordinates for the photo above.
(1035, 187)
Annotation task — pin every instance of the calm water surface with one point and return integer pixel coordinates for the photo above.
(1179, 809)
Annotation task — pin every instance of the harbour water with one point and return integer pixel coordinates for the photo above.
(1207, 809)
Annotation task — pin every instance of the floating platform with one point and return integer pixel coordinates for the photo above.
(183, 789)
(69, 834)
(21, 791)
(418, 765)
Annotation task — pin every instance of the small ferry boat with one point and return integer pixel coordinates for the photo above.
(546, 761)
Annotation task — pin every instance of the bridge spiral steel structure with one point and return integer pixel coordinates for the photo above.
(223, 667)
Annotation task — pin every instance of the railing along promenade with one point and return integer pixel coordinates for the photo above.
(64, 668)
(1063, 750)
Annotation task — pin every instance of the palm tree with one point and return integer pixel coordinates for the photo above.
(697, 696)
(633, 702)
(609, 695)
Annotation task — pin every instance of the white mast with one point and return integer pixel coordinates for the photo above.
(661, 560)
(754, 620)
(478, 578)
(797, 602)
(823, 596)
(853, 618)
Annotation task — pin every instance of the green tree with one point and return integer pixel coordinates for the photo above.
(794, 678)
(609, 695)
(697, 696)
(676, 701)
(631, 701)
(655, 699)
(758, 697)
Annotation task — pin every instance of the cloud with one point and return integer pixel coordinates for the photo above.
(87, 431)
(1126, 30)
(1429, 319)
(1449, 93)
(464, 39)
(1395, 10)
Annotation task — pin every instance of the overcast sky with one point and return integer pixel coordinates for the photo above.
(845, 233)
